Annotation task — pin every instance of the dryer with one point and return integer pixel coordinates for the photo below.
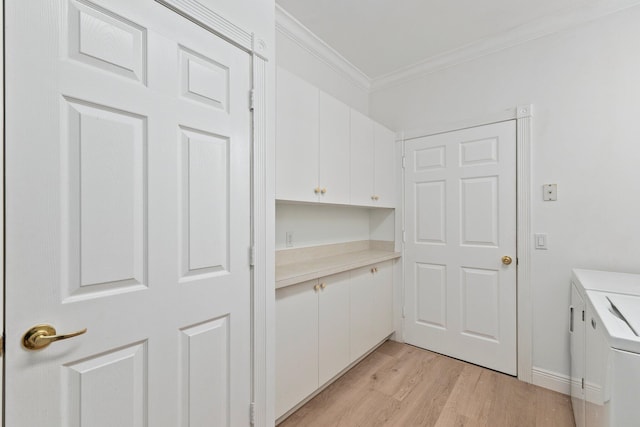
(605, 349)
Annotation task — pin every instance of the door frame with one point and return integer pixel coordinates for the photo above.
(262, 200)
(523, 115)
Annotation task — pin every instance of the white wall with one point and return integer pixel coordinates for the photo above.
(584, 84)
(292, 57)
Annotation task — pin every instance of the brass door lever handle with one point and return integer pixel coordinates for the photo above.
(40, 336)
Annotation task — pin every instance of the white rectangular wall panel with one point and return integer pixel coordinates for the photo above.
(105, 163)
(480, 304)
(431, 298)
(430, 216)
(205, 374)
(108, 390)
(107, 41)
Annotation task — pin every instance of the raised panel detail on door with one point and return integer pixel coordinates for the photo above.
(431, 294)
(479, 211)
(480, 152)
(204, 80)
(205, 207)
(107, 390)
(297, 138)
(105, 40)
(204, 374)
(334, 150)
(431, 222)
(429, 159)
(480, 305)
(105, 199)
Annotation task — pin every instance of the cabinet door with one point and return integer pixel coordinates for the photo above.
(382, 321)
(333, 316)
(334, 151)
(296, 344)
(361, 291)
(577, 349)
(384, 170)
(296, 138)
(362, 159)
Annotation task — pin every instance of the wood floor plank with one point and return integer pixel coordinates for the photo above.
(401, 385)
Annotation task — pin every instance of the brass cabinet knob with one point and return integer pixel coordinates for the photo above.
(323, 285)
(323, 191)
(316, 288)
(316, 190)
(506, 260)
(40, 336)
(373, 270)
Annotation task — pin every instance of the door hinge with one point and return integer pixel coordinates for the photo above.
(583, 315)
(403, 311)
(404, 162)
(404, 236)
(252, 99)
(252, 256)
(252, 413)
(1, 345)
(583, 383)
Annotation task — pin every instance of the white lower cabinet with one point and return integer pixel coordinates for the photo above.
(323, 325)
(371, 310)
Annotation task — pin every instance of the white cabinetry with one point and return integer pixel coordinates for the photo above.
(362, 159)
(325, 324)
(312, 337)
(312, 150)
(333, 179)
(297, 138)
(371, 307)
(327, 152)
(296, 344)
(372, 162)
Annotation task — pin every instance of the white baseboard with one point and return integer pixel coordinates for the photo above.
(551, 380)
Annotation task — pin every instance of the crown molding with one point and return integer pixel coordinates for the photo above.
(290, 27)
(536, 29)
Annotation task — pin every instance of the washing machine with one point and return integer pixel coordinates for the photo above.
(605, 349)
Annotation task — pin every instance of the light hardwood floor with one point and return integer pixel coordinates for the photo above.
(402, 385)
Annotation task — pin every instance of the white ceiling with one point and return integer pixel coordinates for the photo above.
(382, 36)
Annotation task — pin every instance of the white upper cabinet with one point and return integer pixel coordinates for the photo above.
(334, 165)
(327, 152)
(384, 170)
(297, 138)
(362, 160)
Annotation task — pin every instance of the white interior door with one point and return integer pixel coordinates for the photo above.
(460, 195)
(127, 213)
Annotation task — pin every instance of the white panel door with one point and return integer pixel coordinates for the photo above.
(127, 213)
(460, 195)
(296, 139)
(333, 178)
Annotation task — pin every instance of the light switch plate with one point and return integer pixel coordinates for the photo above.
(550, 192)
(540, 240)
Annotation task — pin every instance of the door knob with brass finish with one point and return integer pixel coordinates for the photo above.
(506, 260)
(40, 336)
